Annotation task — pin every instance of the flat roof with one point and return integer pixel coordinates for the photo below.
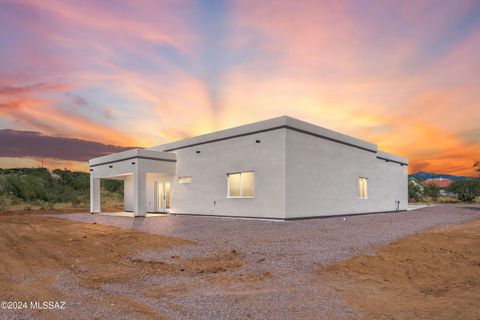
(132, 154)
(267, 125)
(279, 123)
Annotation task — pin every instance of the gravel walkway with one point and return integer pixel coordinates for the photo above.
(290, 251)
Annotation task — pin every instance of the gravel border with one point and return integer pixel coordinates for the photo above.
(290, 251)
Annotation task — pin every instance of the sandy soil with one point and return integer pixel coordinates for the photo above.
(432, 275)
(35, 249)
(107, 272)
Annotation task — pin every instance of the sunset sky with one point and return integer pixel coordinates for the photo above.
(79, 79)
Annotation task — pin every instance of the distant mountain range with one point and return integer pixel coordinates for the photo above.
(424, 175)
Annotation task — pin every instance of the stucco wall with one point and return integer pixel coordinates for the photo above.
(207, 193)
(139, 176)
(322, 178)
(128, 193)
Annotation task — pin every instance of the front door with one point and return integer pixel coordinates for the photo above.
(162, 195)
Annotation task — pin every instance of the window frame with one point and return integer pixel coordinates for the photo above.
(241, 196)
(365, 191)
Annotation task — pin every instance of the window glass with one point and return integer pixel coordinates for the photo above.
(362, 188)
(241, 184)
(248, 184)
(184, 179)
(234, 184)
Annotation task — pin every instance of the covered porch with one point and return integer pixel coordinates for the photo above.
(147, 174)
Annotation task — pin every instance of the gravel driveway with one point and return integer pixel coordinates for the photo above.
(289, 251)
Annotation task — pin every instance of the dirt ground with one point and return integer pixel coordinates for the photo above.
(431, 275)
(34, 249)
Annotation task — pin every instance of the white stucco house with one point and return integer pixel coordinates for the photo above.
(281, 168)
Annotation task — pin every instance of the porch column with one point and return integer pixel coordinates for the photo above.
(94, 195)
(139, 193)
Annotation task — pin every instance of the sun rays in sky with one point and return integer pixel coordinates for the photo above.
(403, 75)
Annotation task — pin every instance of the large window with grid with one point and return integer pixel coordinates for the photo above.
(241, 184)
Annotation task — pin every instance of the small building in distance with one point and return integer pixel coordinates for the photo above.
(441, 183)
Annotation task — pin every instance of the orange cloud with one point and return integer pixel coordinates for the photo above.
(39, 114)
(403, 75)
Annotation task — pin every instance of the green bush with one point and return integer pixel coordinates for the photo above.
(465, 190)
(414, 192)
(27, 188)
(431, 191)
(36, 186)
(79, 181)
(114, 186)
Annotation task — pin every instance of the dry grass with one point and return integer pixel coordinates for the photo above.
(108, 200)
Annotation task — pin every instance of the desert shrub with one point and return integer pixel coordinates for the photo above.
(27, 188)
(2, 185)
(414, 192)
(76, 180)
(431, 191)
(465, 190)
(61, 193)
(37, 187)
(113, 186)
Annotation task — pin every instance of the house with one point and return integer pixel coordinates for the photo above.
(441, 183)
(281, 168)
(437, 182)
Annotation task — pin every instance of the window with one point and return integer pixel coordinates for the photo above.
(184, 179)
(362, 188)
(241, 185)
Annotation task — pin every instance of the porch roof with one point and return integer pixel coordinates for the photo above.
(136, 153)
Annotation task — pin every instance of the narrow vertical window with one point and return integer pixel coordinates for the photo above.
(362, 188)
(234, 180)
(241, 185)
(248, 184)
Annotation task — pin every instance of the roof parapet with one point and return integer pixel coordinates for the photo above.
(133, 153)
(391, 157)
(268, 125)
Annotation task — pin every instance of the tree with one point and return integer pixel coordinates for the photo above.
(431, 191)
(465, 190)
(414, 192)
(113, 186)
(25, 187)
